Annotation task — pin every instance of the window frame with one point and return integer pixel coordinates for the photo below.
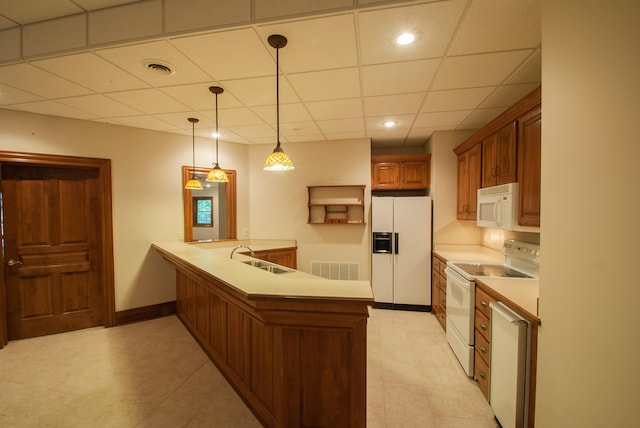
(195, 200)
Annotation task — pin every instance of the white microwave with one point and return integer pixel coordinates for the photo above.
(498, 208)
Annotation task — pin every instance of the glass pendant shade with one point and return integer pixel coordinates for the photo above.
(193, 184)
(217, 174)
(278, 160)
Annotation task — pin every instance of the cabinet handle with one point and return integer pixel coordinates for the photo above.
(483, 375)
(483, 326)
(483, 304)
(483, 349)
(443, 302)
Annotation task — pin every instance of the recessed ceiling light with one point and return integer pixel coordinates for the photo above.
(390, 123)
(216, 134)
(405, 39)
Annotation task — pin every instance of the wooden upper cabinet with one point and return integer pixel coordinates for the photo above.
(499, 157)
(400, 172)
(469, 180)
(529, 166)
(509, 151)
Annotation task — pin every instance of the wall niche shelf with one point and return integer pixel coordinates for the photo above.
(340, 204)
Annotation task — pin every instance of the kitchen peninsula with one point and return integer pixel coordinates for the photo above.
(293, 345)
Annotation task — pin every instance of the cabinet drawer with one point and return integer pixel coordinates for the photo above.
(443, 266)
(482, 375)
(482, 301)
(483, 324)
(443, 284)
(483, 347)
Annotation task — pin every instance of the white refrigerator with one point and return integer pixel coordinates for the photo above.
(401, 250)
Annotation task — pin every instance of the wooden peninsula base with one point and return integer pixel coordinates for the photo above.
(295, 361)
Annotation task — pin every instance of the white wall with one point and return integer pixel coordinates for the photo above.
(589, 343)
(444, 189)
(279, 200)
(147, 190)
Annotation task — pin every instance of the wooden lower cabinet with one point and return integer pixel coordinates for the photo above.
(294, 362)
(439, 290)
(282, 256)
(482, 365)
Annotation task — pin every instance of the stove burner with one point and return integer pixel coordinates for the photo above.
(479, 269)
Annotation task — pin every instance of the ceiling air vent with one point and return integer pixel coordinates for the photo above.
(160, 67)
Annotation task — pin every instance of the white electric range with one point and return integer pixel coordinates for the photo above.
(522, 260)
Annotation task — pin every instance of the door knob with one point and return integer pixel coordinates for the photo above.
(12, 262)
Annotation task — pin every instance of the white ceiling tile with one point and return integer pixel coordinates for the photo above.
(329, 84)
(305, 138)
(101, 4)
(499, 25)
(9, 95)
(299, 128)
(25, 12)
(336, 109)
(477, 70)
(148, 122)
(507, 95)
(341, 126)
(481, 117)
(54, 108)
(234, 116)
(288, 113)
(315, 44)
(431, 23)
(100, 106)
(6, 23)
(39, 82)
(180, 121)
(449, 118)
(456, 99)
(136, 58)
(198, 96)
(398, 78)
(529, 71)
(252, 131)
(388, 134)
(91, 71)
(150, 101)
(233, 54)
(347, 135)
(260, 91)
(393, 104)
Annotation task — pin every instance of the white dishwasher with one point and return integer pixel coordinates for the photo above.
(509, 366)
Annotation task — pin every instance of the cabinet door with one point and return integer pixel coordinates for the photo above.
(475, 179)
(489, 156)
(505, 171)
(385, 175)
(283, 258)
(529, 158)
(414, 175)
(463, 186)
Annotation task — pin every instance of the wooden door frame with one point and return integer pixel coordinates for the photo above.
(103, 166)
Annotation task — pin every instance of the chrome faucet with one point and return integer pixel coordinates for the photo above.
(242, 246)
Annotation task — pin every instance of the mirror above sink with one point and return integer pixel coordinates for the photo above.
(220, 197)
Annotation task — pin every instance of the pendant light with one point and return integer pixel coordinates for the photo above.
(217, 174)
(193, 184)
(278, 159)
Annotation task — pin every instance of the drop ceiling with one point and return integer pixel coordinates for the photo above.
(341, 74)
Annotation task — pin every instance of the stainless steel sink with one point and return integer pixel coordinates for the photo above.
(267, 266)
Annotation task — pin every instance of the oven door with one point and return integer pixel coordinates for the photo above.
(461, 295)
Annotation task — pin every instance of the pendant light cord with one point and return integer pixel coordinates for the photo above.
(193, 148)
(278, 95)
(217, 133)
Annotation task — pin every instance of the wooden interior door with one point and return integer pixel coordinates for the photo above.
(52, 249)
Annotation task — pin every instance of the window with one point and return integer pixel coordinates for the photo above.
(203, 211)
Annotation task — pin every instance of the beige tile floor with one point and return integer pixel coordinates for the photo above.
(153, 374)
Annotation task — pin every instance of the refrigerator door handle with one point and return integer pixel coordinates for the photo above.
(396, 243)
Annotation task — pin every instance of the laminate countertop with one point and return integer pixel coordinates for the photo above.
(518, 293)
(212, 258)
